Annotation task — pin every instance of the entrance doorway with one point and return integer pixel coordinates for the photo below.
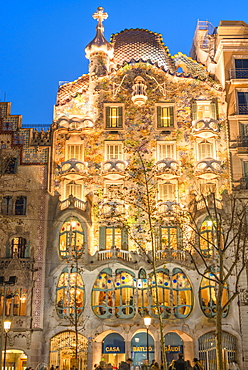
(69, 352)
(113, 349)
(173, 346)
(15, 360)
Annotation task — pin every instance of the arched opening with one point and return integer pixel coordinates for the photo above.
(69, 351)
(140, 350)
(113, 349)
(15, 359)
(173, 346)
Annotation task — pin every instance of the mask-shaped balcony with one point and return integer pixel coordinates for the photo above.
(168, 168)
(112, 209)
(73, 169)
(113, 169)
(205, 128)
(169, 208)
(73, 202)
(208, 168)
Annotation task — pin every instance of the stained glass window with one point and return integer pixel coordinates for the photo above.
(71, 238)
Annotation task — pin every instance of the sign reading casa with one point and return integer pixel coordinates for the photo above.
(112, 349)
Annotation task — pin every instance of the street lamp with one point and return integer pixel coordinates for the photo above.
(6, 325)
(147, 322)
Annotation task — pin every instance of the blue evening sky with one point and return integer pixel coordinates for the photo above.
(43, 42)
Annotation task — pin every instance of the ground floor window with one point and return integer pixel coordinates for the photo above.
(69, 351)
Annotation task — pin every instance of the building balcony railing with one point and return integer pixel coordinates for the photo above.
(113, 169)
(169, 208)
(114, 253)
(112, 209)
(73, 169)
(242, 141)
(238, 73)
(168, 168)
(208, 168)
(73, 202)
(205, 128)
(173, 254)
(242, 109)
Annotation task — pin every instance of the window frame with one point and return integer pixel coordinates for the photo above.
(105, 116)
(165, 143)
(103, 238)
(114, 143)
(213, 105)
(171, 182)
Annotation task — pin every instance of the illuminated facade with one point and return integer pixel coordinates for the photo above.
(83, 285)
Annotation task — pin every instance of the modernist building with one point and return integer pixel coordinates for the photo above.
(84, 283)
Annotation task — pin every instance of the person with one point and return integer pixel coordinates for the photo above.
(52, 367)
(109, 366)
(172, 365)
(155, 365)
(126, 365)
(145, 365)
(189, 366)
(197, 364)
(180, 364)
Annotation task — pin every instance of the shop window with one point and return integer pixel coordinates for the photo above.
(70, 294)
(19, 247)
(165, 117)
(114, 117)
(204, 109)
(113, 150)
(143, 292)
(15, 302)
(169, 237)
(20, 205)
(71, 239)
(208, 295)
(165, 150)
(102, 294)
(113, 237)
(175, 295)
(7, 205)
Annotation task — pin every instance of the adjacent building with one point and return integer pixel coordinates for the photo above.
(84, 279)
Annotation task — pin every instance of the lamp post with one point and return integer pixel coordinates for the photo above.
(6, 325)
(147, 322)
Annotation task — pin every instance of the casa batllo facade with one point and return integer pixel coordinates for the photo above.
(84, 284)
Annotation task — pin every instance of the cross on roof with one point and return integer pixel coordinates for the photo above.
(100, 15)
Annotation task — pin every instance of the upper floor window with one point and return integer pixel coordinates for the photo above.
(205, 150)
(71, 238)
(70, 294)
(204, 109)
(242, 102)
(15, 301)
(8, 165)
(167, 192)
(7, 205)
(113, 237)
(19, 247)
(74, 189)
(165, 116)
(113, 150)
(74, 151)
(113, 116)
(241, 68)
(165, 150)
(20, 205)
(169, 237)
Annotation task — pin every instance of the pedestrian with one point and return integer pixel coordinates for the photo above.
(145, 365)
(180, 364)
(197, 364)
(172, 365)
(155, 366)
(109, 366)
(52, 367)
(126, 365)
(189, 366)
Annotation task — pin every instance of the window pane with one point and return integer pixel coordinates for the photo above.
(167, 192)
(165, 117)
(166, 151)
(113, 117)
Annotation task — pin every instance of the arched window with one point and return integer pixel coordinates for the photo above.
(175, 296)
(102, 294)
(19, 247)
(124, 293)
(208, 295)
(207, 237)
(70, 294)
(143, 292)
(71, 238)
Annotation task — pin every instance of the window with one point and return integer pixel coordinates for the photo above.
(241, 68)
(167, 192)
(71, 238)
(8, 165)
(143, 292)
(245, 169)
(20, 205)
(205, 150)
(169, 237)
(204, 109)
(7, 205)
(114, 117)
(207, 189)
(113, 237)
(73, 189)
(113, 150)
(174, 293)
(15, 302)
(19, 247)
(75, 151)
(165, 116)
(242, 102)
(207, 237)
(165, 150)
(70, 294)
(208, 295)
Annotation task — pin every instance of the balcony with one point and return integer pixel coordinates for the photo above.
(73, 169)
(205, 128)
(238, 73)
(169, 208)
(168, 168)
(242, 109)
(208, 169)
(113, 169)
(114, 253)
(73, 202)
(112, 209)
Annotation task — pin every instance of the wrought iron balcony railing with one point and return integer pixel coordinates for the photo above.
(242, 109)
(238, 73)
